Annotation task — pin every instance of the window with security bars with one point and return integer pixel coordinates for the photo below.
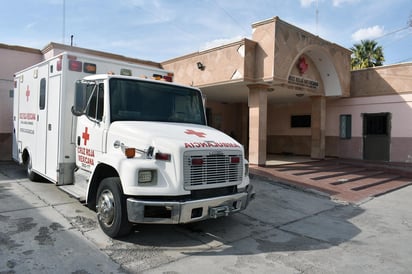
(345, 126)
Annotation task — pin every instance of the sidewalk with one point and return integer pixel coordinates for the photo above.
(352, 181)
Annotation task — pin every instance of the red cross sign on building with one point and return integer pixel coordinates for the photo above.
(302, 65)
(197, 133)
(85, 136)
(27, 93)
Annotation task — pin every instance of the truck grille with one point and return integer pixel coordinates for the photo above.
(204, 170)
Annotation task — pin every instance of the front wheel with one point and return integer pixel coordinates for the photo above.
(111, 208)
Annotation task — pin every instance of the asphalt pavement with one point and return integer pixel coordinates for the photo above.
(284, 230)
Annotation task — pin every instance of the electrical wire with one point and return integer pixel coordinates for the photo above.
(231, 17)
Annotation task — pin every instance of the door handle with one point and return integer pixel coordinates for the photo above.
(49, 126)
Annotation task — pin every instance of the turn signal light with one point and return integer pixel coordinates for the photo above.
(130, 152)
(163, 156)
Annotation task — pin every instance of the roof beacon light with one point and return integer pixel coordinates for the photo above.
(75, 65)
(89, 68)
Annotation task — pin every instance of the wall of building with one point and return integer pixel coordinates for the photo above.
(385, 80)
(386, 89)
(267, 60)
(13, 59)
(232, 119)
(229, 63)
(400, 108)
(280, 45)
(282, 138)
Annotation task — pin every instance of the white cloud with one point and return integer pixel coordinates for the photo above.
(337, 3)
(30, 25)
(219, 42)
(368, 33)
(306, 3)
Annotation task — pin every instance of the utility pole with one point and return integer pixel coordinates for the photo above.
(317, 17)
(64, 21)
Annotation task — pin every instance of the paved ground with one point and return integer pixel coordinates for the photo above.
(351, 181)
(285, 230)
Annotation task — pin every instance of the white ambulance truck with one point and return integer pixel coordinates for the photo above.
(125, 140)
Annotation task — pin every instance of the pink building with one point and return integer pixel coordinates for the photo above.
(285, 91)
(13, 59)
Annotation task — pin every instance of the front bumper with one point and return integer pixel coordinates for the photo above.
(166, 212)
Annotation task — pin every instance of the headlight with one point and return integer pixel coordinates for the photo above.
(147, 176)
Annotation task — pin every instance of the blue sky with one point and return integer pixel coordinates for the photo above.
(160, 30)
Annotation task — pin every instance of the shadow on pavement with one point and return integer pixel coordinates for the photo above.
(280, 219)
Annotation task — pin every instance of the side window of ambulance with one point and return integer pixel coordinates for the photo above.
(95, 109)
(42, 98)
(100, 102)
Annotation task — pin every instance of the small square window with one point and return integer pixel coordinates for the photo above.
(300, 121)
(42, 97)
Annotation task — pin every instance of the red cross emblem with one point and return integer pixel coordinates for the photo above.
(192, 132)
(85, 136)
(302, 66)
(27, 93)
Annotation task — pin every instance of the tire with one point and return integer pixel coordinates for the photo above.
(111, 208)
(33, 176)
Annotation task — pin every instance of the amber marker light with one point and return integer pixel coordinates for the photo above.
(130, 152)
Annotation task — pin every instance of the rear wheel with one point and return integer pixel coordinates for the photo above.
(33, 176)
(111, 208)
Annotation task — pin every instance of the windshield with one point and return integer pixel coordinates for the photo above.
(132, 100)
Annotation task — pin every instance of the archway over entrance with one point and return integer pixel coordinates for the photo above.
(325, 66)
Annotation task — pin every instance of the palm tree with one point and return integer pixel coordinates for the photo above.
(367, 54)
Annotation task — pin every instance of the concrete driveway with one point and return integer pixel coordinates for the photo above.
(285, 230)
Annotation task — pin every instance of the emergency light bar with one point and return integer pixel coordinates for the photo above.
(78, 66)
(126, 72)
(75, 65)
(89, 68)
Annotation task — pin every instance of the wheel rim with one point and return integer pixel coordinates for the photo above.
(29, 166)
(105, 208)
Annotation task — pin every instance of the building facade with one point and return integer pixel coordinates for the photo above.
(284, 91)
(13, 59)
